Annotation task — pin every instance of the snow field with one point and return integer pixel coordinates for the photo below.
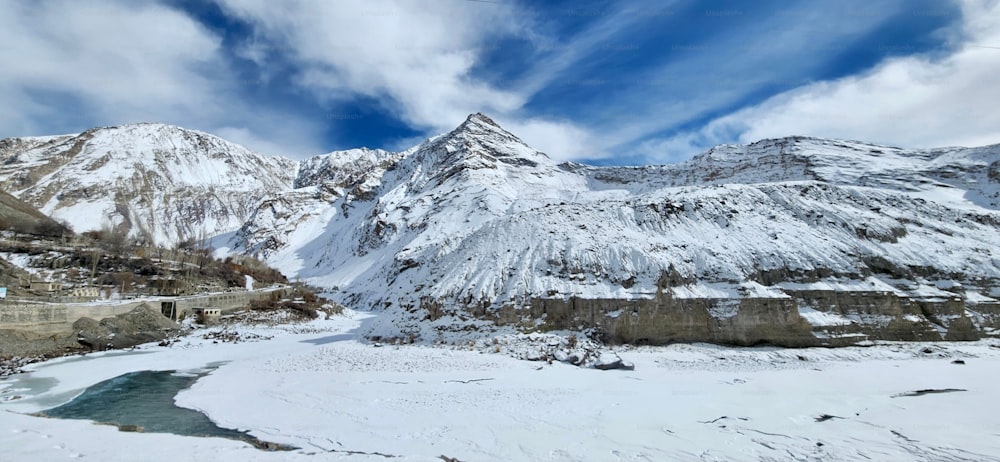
(320, 388)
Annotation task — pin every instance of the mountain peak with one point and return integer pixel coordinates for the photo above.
(481, 118)
(479, 124)
(481, 136)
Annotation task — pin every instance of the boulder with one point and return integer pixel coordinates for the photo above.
(610, 361)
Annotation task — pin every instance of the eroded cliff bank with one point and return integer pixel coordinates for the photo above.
(791, 318)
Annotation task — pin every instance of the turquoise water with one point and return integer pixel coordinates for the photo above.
(145, 399)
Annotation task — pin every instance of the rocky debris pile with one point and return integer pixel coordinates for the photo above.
(16, 364)
(549, 347)
(33, 346)
(141, 325)
(234, 336)
(268, 317)
(292, 314)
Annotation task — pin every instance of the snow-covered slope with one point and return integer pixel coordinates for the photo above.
(415, 204)
(477, 218)
(746, 237)
(160, 181)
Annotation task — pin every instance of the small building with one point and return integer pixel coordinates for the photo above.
(207, 315)
(45, 286)
(84, 292)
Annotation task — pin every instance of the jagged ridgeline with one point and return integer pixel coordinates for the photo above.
(793, 241)
(160, 182)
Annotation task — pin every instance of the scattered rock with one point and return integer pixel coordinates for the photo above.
(609, 361)
(958, 361)
(231, 336)
(929, 391)
(14, 365)
(825, 417)
(713, 420)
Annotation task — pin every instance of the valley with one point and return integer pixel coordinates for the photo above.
(794, 241)
(479, 301)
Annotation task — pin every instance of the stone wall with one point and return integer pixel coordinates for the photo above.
(56, 316)
(46, 317)
(227, 302)
(12, 314)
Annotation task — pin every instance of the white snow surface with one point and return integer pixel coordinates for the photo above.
(320, 388)
(475, 216)
(163, 182)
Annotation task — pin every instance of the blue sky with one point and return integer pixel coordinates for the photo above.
(603, 82)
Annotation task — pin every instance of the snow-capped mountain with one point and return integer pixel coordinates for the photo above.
(159, 181)
(793, 241)
(476, 218)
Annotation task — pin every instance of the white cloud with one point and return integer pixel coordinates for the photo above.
(278, 140)
(558, 139)
(118, 58)
(71, 65)
(413, 56)
(913, 101)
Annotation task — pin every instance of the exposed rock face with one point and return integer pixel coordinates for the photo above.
(665, 320)
(838, 319)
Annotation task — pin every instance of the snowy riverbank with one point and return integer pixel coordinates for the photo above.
(317, 387)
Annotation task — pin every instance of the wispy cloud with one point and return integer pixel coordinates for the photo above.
(736, 75)
(707, 73)
(913, 101)
(113, 57)
(73, 65)
(413, 56)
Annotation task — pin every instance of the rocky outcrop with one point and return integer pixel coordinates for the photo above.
(802, 318)
(664, 320)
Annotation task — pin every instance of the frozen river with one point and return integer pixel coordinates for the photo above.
(318, 388)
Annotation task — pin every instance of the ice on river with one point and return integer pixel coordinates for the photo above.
(336, 397)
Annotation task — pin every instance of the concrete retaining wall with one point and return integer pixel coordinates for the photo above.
(227, 302)
(54, 316)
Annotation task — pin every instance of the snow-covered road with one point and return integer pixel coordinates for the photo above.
(318, 388)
